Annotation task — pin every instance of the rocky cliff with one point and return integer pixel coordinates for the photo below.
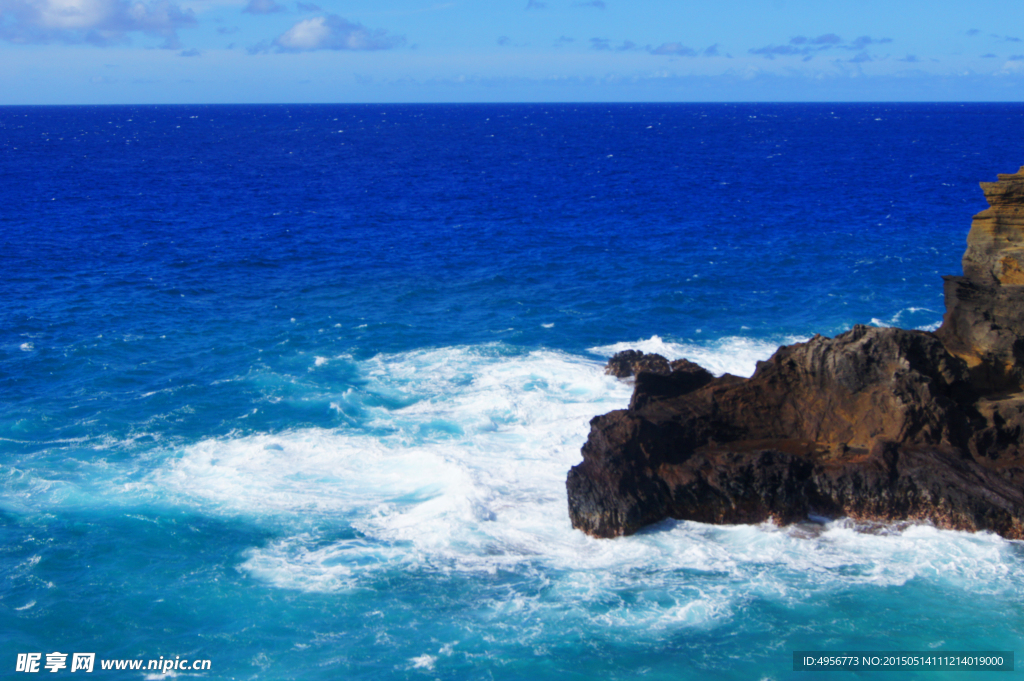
(875, 424)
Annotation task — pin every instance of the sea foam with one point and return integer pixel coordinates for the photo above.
(464, 472)
(735, 355)
(487, 496)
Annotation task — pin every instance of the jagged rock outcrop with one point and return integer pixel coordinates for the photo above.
(875, 424)
(635, 362)
(995, 244)
(984, 320)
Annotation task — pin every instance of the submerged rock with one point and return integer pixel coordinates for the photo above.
(875, 424)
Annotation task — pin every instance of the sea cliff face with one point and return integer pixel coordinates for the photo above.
(876, 424)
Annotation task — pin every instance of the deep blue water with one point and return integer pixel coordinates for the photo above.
(295, 388)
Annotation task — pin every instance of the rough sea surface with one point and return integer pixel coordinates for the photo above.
(295, 388)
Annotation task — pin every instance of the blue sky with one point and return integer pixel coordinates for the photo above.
(208, 51)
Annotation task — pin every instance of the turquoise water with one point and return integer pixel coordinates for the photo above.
(295, 389)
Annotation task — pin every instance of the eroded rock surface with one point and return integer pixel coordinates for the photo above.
(995, 244)
(876, 423)
(984, 320)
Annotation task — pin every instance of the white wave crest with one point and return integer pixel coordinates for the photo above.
(471, 471)
(920, 318)
(735, 355)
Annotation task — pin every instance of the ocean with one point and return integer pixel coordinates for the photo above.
(295, 389)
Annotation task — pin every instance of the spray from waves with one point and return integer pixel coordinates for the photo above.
(469, 477)
(920, 318)
(468, 471)
(738, 355)
(465, 475)
(731, 355)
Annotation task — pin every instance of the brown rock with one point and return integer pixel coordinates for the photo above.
(984, 320)
(995, 244)
(876, 423)
(685, 377)
(984, 326)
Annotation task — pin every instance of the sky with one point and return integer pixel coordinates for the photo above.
(390, 51)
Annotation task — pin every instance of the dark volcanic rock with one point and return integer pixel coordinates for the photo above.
(876, 424)
(633, 362)
(685, 377)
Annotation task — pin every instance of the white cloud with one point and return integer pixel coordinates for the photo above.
(331, 32)
(100, 22)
